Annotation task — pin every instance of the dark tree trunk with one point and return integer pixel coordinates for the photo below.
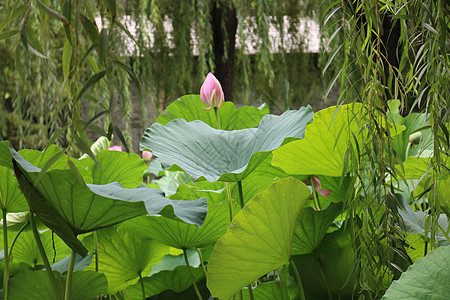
(390, 50)
(224, 67)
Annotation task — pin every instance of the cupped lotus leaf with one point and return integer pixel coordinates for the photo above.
(427, 278)
(123, 257)
(12, 199)
(259, 239)
(69, 207)
(86, 285)
(203, 151)
(170, 274)
(327, 138)
(189, 107)
(311, 227)
(125, 168)
(182, 235)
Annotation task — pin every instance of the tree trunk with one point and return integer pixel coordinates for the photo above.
(224, 67)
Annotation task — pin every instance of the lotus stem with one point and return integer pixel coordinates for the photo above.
(216, 112)
(6, 257)
(241, 195)
(96, 250)
(192, 275)
(230, 201)
(201, 261)
(69, 275)
(141, 280)
(298, 279)
(48, 268)
(250, 291)
(322, 274)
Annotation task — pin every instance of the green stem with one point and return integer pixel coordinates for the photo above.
(250, 291)
(192, 275)
(241, 195)
(201, 261)
(216, 112)
(6, 257)
(141, 280)
(73, 255)
(322, 274)
(48, 269)
(316, 200)
(297, 279)
(230, 201)
(17, 236)
(96, 250)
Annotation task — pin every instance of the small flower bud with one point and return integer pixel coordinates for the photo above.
(211, 92)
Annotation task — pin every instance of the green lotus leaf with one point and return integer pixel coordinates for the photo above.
(69, 207)
(265, 291)
(205, 152)
(327, 138)
(125, 168)
(189, 107)
(419, 222)
(12, 199)
(260, 179)
(182, 235)
(259, 239)
(5, 154)
(427, 278)
(312, 226)
(170, 274)
(123, 257)
(337, 258)
(25, 248)
(86, 285)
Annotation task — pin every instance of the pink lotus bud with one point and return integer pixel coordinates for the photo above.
(211, 92)
(318, 187)
(147, 156)
(115, 148)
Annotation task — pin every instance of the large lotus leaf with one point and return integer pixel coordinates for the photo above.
(80, 264)
(182, 235)
(189, 211)
(86, 285)
(322, 151)
(312, 226)
(69, 207)
(427, 278)
(125, 168)
(259, 239)
(54, 159)
(203, 151)
(189, 107)
(171, 274)
(123, 257)
(12, 199)
(419, 222)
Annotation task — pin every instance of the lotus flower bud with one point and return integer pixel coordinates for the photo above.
(211, 92)
(147, 156)
(318, 187)
(115, 148)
